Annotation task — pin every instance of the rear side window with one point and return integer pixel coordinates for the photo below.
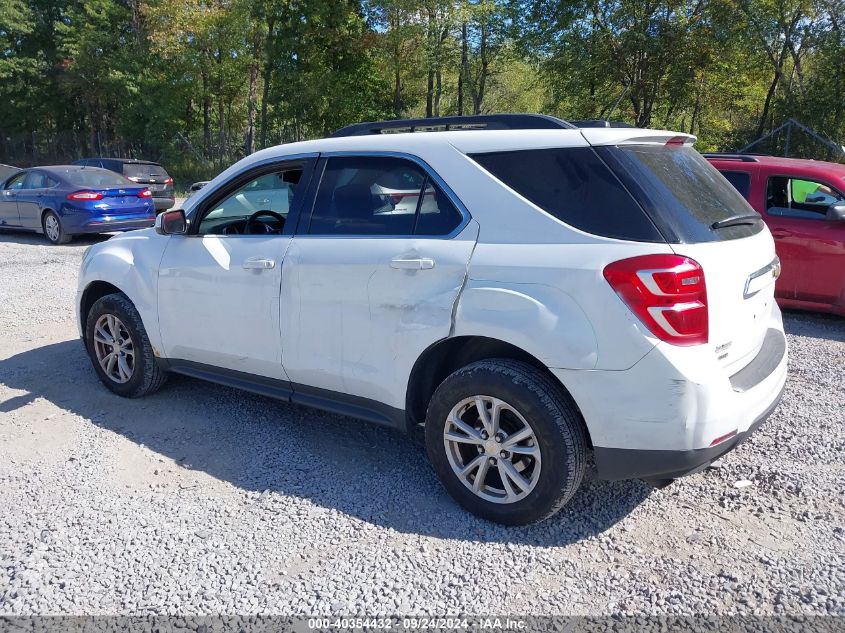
(740, 180)
(682, 192)
(375, 195)
(575, 186)
(40, 180)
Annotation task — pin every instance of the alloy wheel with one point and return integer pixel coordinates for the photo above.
(114, 348)
(492, 449)
(52, 228)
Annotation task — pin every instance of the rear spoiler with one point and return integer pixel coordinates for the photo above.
(635, 136)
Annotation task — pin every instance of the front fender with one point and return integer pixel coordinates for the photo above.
(539, 319)
(129, 262)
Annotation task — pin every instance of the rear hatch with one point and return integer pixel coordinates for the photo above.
(703, 217)
(152, 175)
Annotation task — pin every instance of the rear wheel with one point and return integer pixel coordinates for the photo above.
(119, 348)
(506, 441)
(53, 231)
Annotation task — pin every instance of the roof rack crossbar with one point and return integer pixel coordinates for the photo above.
(745, 158)
(471, 122)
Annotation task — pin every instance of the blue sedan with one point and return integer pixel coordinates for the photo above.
(67, 200)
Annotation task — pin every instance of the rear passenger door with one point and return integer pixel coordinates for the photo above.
(371, 276)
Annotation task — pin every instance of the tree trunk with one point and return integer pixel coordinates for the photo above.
(767, 104)
(429, 94)
(206, 113)
(463, 71)
(252, 93)
(266, 74)
(438, 91)
(485, 69)
(395, 20)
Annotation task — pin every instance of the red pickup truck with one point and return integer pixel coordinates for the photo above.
(803, 204)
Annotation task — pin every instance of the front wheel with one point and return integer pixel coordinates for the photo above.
(53, 230)
(119, 348)
(506, 441)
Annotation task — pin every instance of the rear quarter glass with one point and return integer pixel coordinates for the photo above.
(681, 191)
(574, 185)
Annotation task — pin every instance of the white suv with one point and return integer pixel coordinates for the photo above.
(563, 293)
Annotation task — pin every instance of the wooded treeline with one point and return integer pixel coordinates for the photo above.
(199, 83)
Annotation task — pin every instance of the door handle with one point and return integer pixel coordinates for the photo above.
(779, 234)
(415, 263)
(258, 263)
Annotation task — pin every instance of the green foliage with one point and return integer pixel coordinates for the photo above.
(200, 83)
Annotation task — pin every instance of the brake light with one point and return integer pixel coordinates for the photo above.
(145, 193)
(85, 195)
(168, 181)
(667, 293)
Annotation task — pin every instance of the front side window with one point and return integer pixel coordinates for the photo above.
(16, 183)
(376, 195)
(800, 198)
(260, 206)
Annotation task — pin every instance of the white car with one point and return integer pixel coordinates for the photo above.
(572, 292)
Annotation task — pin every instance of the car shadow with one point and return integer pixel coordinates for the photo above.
(828, 327)
(257, 444)
(29, 238)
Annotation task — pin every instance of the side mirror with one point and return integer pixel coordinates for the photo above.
(171, 223)
(836, 212)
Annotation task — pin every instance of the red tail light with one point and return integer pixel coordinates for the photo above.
(667, 293)
(85, 195)
(145, 193)
(168, 181)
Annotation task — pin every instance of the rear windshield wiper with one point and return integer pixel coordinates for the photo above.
(736, 220)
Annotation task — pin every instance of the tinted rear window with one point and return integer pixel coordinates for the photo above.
(142, 170)
(574, 185)
(740, 180)
(96, 178)
(683, 193)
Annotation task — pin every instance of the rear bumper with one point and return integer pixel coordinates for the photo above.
(113, 224)
(164, 202)
(670, 414)
(622, 463)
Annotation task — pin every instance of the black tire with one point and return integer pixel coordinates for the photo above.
(147, 376)
(61, 237)
(552, 415)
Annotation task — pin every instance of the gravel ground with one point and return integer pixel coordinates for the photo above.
(204, 500)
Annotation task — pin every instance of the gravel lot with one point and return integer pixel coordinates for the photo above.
(202, 500)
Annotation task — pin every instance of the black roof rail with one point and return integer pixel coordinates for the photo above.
(598, 123)
(745, 158)
(442, 124)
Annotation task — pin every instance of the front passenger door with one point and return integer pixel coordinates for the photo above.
(9, 215)
(218, 292)
(811, 247)
(371, 277)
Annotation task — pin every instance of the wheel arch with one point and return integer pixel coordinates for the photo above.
(444, 357)
(44, 212)
(93, 292)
